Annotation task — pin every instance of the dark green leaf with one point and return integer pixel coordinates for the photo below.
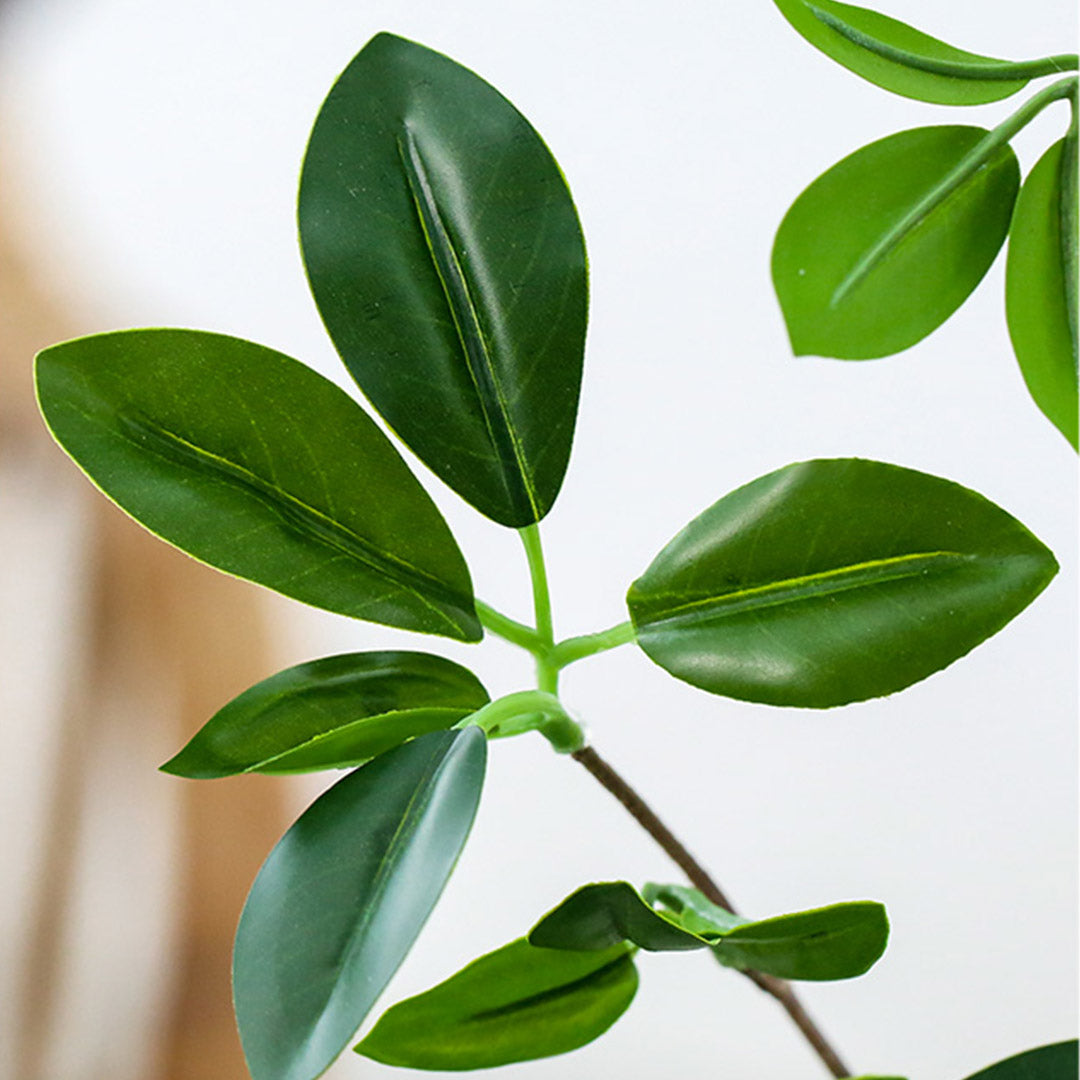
(342, 897)
(515, 1004)
(900, 58)
(1056, 1062)
(883, 247)
(447, 261)
(331, 713)
(1040, 286)
(257, 465)
(606, 913)
(834, 581)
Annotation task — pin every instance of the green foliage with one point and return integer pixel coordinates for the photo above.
(257, 465)
(446, 258)
(515, 1004)
(1056, 1062)
(444, 253)
(884, 246)
(904, 574)
(342, 897)
(331, 714)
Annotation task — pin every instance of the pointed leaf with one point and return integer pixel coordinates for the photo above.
(1056, 1062)
(257, 465)
(515, 1004)
(900, 58)
(833, 581)
(331, 713)
(883, 247)
(342, 897)
(601, 915)
(446, 258)
(1040, 285)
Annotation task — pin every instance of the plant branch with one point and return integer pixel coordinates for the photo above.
(577, 648)
(547, 675)
(509, 629)
(779, 989)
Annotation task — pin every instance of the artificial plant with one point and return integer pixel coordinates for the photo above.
(935, 205)
(445, 256)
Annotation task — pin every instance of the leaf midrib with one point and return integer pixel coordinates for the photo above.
(809, 586)
(502, 434)
(296, 513)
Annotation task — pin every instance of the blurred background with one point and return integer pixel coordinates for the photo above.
(148, 164)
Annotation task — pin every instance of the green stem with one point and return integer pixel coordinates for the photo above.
(528, 710)
(989, 70)
(578, 648)
(968, 165)
(547, 675)
(510, 629)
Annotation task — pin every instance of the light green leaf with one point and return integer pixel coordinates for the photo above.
(1056, 1062)
(833, 581)
(331, 713)
(1040, 285)
(601, 915)
(253, 463)
(883, 247)
(447, 261)
(515, 1004)
(906, 61)
(342, 897)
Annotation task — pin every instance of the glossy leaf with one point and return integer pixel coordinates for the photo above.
(604, 914)
(1056, 1062)
(331, 713)
(257, 465)
(833, 581)
(835, 942)
(447, 261)
(341, 898)
(515, 1004)
(899, 58)
(1040, 286)
(883, 247)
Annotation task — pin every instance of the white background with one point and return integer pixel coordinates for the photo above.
(164, 141)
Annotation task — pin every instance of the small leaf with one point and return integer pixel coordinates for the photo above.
(255, 464)
(883, 247)
(342, 897)
(331, 713)
(833, 581)
(604, 914)
(447, 262)
(515, 1004)
(899, 58)
(1056, 1062)
(1040, 285)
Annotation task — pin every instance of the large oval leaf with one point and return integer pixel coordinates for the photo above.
(515, 1004)
(447, 261)
(257, 465)
(331, 713)
(342, 897)
(883, 247)
(1040, 286)
(900, 58)
(833, 581)
(1056, 1062)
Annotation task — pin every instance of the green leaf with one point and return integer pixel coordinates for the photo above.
(601, 915)
(835, 942)
(515, 1004)
(899, 58)
(331, 713)
(257, 465)
(1040, 285)
(1056, 1062)
(447, 261)
(833, 581)
(883, 247)
(343, 896)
